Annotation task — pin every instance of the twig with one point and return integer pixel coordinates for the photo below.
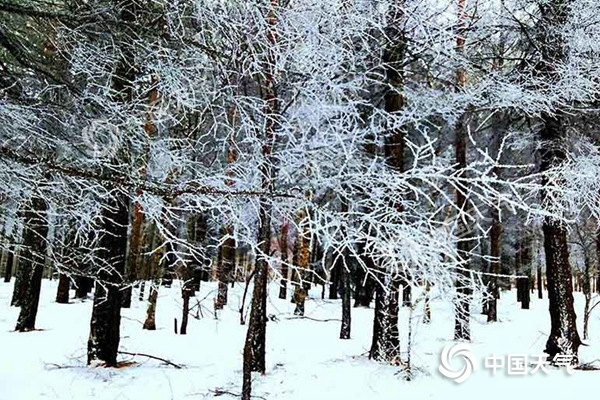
(153, 357)
(242, 319)
(58, 366)
(220, 392)
(318, 320)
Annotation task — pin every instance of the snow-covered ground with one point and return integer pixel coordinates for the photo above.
(305, 358)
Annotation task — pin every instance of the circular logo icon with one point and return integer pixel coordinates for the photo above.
(101, 139)
(458, 350)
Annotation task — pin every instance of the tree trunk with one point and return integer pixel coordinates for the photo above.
(20, 285)
(150, 322)
(225, 268)
(133, 259)
(301, 262)
(283, 246)
(9, 264)
(346, 299)
(335, 280)
(525, 296)
(427, 307)
(495, 269)
(385, 345)
(103, 343)
(406, 293)
(587, 293)
(62, 291)
(364, 284)
(539, 281)
(462, 329)
(142, 291)
(186, 293)
(32, 260)
(254, 348)
(84, 286)
(563, 338)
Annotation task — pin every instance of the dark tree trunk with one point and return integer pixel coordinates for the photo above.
(196, 232)
(9, 264)
(341, 264)
(186, 292)
(283, 246)
(495, 268)
(346, 299)
(20, 285)
(525, 296)
(406, 293)
(142, 290)
(84, 286)
(539, 281)
(62, 291)
(32, 257)
(103, 343)
(254, 349)
(462, 329)
(385, 345)
(225, 268)
(364, 284)
(564, 338)
(335, 280)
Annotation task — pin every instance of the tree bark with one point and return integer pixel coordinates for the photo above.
(255, 345)
(564, 338)
(539, 281)
(62, 291)
(225, 268)
(385, 345)
(345, 329)
(85, 285)
(150, 322)
(20, 284)
(32, 260)
(335, 280)
(462, 329)
(254, 349)
(103, 343)
(364, 285)
(283, 246)
(301, 262)
(9, 264)
(525, 296)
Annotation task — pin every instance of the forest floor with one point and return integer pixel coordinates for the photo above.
(305, 358)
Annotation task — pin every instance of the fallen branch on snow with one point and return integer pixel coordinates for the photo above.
(153, 357)
(318, 320)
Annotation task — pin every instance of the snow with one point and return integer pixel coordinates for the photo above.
(305, 358)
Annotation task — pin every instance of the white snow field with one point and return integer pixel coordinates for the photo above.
(305, 358)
